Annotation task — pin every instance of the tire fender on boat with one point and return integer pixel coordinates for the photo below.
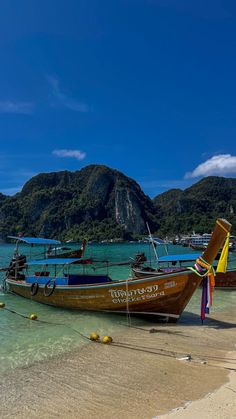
(49, 288)
(34, 288)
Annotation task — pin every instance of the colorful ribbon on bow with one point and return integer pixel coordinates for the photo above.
(207, 272)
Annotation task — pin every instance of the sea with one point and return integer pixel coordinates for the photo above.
(58, 331)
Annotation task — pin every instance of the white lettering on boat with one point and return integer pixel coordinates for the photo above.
(85, 297)
(135, 299)
(170, 284)
(130, 293)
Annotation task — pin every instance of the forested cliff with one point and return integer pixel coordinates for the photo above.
(102, 203)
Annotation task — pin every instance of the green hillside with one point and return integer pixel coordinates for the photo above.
(196, 208)
(96, 202)
(101, 203)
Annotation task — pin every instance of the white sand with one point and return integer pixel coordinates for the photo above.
(218, 405)
(140, 379)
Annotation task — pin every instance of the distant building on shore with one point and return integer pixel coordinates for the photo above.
(200, 241)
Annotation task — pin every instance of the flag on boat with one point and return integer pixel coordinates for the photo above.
(222, 264)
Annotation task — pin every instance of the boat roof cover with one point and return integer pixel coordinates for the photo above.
(35, 240)
(184, 257)
(55, 261)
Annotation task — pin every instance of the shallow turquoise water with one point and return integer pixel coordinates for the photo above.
(24, 342)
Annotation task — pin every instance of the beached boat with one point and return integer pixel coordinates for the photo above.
(177, 263)
(166, 295)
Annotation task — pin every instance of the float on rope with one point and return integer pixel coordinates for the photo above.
(107, 339)
(94, 336)
(33, 316)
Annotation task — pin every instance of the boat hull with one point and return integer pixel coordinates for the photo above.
(71, 254)
(164, 296)
(225, 280)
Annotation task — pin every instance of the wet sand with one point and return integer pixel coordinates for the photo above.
(144, 374)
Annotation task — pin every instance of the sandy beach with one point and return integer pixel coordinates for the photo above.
(146, 373)
(219, 404)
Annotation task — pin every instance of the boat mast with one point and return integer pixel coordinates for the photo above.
(152, 242)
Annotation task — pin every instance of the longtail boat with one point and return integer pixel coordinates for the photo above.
(177, 263)
(66, 252)
(166, 295)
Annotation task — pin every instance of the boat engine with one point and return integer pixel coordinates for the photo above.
(139, 259)
(16, 265)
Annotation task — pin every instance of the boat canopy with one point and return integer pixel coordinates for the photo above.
(185, 257)
(56, 261)
(35, 240)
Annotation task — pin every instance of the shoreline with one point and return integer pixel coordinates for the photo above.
(219, 404)
(141, 375)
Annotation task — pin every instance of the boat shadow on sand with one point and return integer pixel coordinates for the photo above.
(192, 319)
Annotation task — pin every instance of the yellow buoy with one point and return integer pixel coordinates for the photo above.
(94, 336)
(33, 316)
(107, 339)
(2, 305)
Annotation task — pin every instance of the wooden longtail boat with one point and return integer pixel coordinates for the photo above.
(225, 281)
(65, 252)
(166, 295)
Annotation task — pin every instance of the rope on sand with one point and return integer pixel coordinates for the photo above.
(140, 348)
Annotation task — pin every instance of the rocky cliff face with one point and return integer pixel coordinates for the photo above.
(96, 200)
(128, 210)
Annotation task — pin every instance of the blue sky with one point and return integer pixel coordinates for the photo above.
(144, 86)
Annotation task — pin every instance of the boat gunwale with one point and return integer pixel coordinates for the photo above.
(104, 285)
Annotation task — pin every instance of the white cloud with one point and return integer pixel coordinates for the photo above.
(64, 100)
(223, 164)
(16, 107)
(77, 154)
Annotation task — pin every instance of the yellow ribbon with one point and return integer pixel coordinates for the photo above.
(222, 264)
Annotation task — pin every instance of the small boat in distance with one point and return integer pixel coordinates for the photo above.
(63, 286)
(66, 252)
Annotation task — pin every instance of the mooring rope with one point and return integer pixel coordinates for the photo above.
(140, 348)
(128, 318)
(47, 322)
